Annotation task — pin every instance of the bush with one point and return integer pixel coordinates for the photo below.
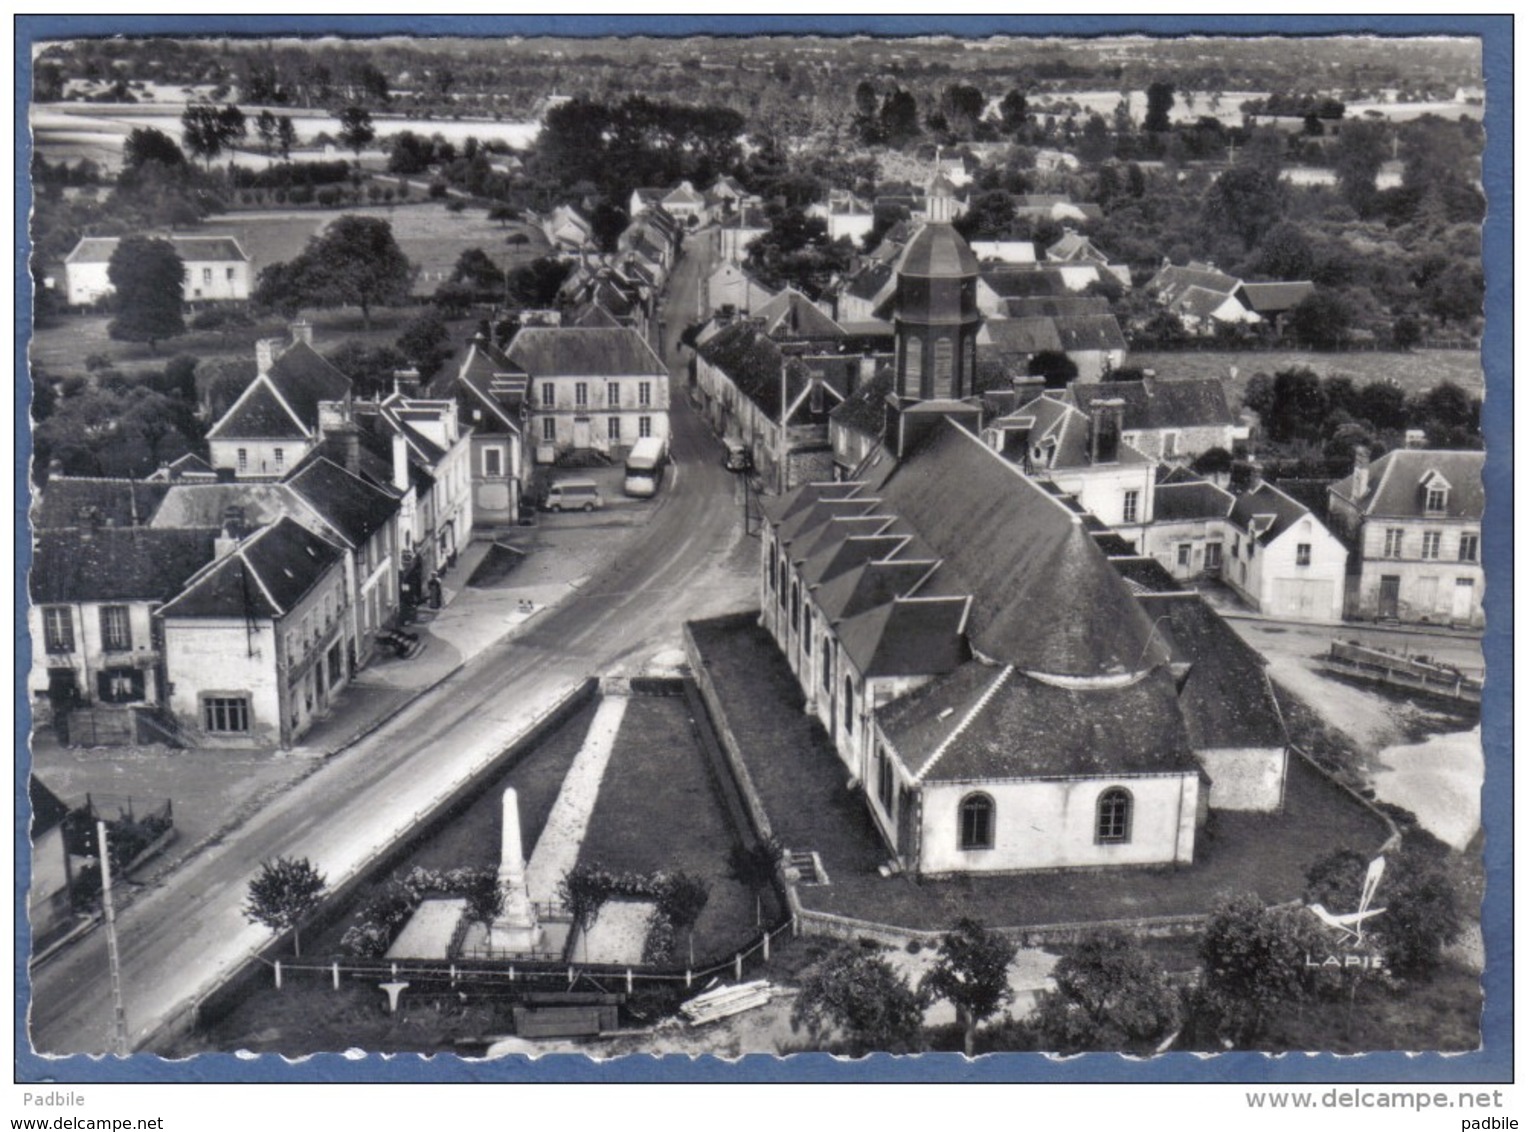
(437, 190)
(329, 196)
(456, 204)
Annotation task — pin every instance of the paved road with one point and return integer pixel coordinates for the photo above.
(180, 938)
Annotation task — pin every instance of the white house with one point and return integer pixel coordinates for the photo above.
(1282, 561)
(217, 269)
(491, 402)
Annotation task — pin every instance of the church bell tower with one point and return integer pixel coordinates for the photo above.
(936, 314)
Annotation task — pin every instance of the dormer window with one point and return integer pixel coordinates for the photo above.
(1435, 487)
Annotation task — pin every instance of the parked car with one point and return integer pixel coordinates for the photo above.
(574, 495)
(738, 459)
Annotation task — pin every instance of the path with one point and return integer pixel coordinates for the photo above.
(557, 848)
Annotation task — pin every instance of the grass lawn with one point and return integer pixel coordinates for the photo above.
(1416, 371)
(472, 837)
(658, 811)
(801, 783)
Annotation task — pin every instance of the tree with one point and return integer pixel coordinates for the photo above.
(1214, 461)
(585, 890)
(753, 866)
(1356, 158)
(356, 130)
(286, 136)
(861, 996)
(1109, 995)
(149, 279)
(426, 343)
(145, 145)
(208, 130)
(1015, 111)
(683, 898)
(282, 893)
(1322, 319)
(485, 899)
(1246, 201)
(1382, 403)
(1254, 962)
(369, 368)
(972, 973)
(265, 126)
(355, 262)
(480, 273)
(536, 284)
(1159, 104)
(1054, 366)
(1299, 405)
(899, 118)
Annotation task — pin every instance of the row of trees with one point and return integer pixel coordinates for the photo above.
(1112, 995)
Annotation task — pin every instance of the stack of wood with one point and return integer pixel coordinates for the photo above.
(723, 1002)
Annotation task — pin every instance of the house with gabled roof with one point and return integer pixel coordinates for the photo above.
(567, 229)
(257, 644)
(731, 286)
(1412, 521)
(590, 389)
(217, 269)
(1171, 421)
(490, 395)
(1188, 533)
(1282, 560)
(94, 592)
(1273, 302)
(738, 230)
(274, 423)
(792, 317)
(772, 401)
(855, 425)
(50, 906)
(988, 676)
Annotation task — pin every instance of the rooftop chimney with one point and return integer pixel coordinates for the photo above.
(1416, 438)
(265, 354)
(1360, 470)
(302, 331)
(406, 382)
(400, 462)
(224, 544)
(1104, 436)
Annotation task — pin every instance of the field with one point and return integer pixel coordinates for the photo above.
(1417, 371)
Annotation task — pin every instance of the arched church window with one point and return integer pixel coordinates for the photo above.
(944, 362)
(976, 814)
(1114, 813)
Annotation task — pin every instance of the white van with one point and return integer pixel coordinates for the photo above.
(574, 495)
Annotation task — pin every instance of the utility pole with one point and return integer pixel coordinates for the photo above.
(119, 1034)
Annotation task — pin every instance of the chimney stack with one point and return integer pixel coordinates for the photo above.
(302, 331)
(224, 544)
(400, 462)
(1104, 435)
(1254, 474)
(406, 382)
(265, 355)
(1360, 471)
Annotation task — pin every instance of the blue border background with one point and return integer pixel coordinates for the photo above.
(1493, 1063)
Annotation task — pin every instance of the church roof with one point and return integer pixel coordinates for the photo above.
(938, 251)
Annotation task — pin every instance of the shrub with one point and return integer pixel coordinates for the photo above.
(328, 196)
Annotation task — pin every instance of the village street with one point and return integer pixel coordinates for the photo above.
(176, 941)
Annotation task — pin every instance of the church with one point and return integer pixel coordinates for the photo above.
(1010, 684)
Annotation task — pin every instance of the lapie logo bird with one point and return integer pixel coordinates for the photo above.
(1352, 923)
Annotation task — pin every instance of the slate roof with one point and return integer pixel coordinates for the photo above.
(871, 282)
(790, 314)
(195, 249)
(1056, 306)
(67, 501)
(261, 413)
(752, 361)
(1090, 332)
(304, 377)
(354, 508)
(558, 351)
(865, 409)
(192, 505)
(1267, 512)
(1275, 298)
(1172, 281)
(1226, 699)
(592, 316)
(1199, 302)
(987, 722)
(48, 810)
(1074, 245)
(1144, 574)
(938, 251)
(1026, 336)
(907, 637)
(188, 466)
(1012, 282)
(76, 564)
(489, 381)
(1180, 502)
(870, 585)
(1396, 491)
(1154, 404)
(268, 574)
(1066, 428)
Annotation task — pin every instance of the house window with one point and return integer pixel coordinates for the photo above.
(1431, 542)
(243, 459)
(581, 394)
(1236, 547)
(493, 462)
(279, 455)
(58, 628)
(1302, 554)
(1114, 808)
(1212, 555)
(1393, 537)
(887, 784)
(230, 274)
(848, 705)
(784, 573)
(774, 579)
(1469, 547)
(1132, 505)
(206, 276)
(1169, 443)
(1185, 555)
(644, 426)
(549, 429)
(644, 394)
(120, 685)
(613, 428)
(613, 394)
(225, 715)
(976, 822)
(1437, 500)
(806, 630)
(548, 394)
(116, 629)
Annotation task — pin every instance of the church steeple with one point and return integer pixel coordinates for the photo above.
(936, 314)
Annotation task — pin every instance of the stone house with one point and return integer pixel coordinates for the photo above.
(217, 269)
(1170, 421)
(1188, 531)
(1412, 520)
(1282, 561)
(490, 395)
